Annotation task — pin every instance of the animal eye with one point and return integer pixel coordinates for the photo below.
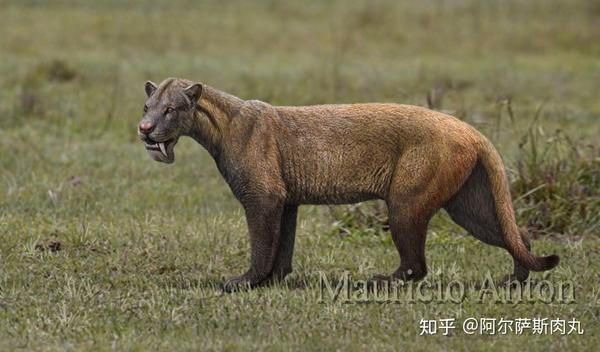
(169, 110)
(145, 108)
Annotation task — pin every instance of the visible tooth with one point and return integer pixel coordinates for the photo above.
(162, 149)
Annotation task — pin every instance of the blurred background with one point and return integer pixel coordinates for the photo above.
(525, 73)
(73, 175)
(81, 63)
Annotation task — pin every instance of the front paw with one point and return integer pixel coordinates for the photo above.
(244, 282)
(237, 283)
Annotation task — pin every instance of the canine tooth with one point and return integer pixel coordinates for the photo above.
(162, 149)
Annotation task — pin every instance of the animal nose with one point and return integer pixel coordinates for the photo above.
(146, 127)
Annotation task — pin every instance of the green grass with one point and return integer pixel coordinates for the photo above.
(145, 246)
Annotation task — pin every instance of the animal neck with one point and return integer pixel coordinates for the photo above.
(213, 113)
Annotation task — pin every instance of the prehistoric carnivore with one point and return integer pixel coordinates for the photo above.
(276, 158)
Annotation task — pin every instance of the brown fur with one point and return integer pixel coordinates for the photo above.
(276, 158)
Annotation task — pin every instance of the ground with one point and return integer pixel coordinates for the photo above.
(103, 248)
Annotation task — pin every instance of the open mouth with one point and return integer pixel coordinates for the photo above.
(158, 146)
(161, 151)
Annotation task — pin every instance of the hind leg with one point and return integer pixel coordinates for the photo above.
(409, 232)
(491, 236)
(421, 185)
(472, 207)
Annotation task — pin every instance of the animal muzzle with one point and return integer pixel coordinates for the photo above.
(161, 151)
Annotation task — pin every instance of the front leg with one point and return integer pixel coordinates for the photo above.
(283, 259)
(264, 218)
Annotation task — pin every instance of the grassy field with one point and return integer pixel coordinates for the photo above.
(102, 248)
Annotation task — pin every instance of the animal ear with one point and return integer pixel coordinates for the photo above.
(150, 87)
(194, 92)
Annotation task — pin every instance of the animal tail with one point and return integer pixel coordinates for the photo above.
(493, 165)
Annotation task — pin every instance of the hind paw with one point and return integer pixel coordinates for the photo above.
(409, 274)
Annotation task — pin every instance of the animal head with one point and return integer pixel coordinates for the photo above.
(169, 113)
